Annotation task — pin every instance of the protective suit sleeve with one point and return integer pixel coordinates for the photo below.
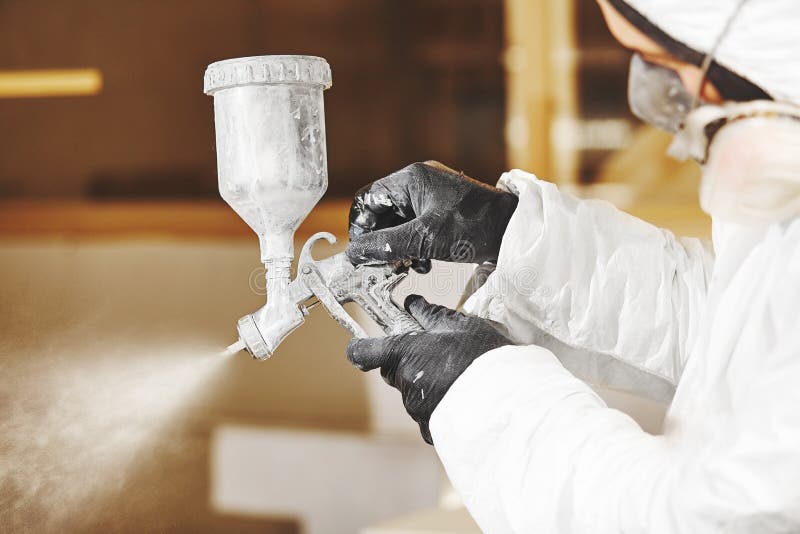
(530, 448)
(616, 298)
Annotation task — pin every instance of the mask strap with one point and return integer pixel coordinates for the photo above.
(709, 57)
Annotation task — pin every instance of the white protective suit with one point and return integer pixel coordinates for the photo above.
(601, 295)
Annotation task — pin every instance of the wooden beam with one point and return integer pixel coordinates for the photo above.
(541, 86)
(564, 87)
(528, 79)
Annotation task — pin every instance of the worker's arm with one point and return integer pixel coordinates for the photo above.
(610, 294)
(530, 448)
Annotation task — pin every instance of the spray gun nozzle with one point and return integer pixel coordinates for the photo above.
(261, 332)
(233, 348)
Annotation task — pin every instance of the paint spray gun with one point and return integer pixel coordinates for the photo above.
(273, 169)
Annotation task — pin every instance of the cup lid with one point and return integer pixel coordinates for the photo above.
(266, 70)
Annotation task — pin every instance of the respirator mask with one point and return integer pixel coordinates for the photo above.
(750, 155)
(749, 151)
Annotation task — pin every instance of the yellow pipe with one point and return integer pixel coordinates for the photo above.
(50, 82)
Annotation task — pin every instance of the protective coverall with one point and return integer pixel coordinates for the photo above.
(545, 454)
(601, 296)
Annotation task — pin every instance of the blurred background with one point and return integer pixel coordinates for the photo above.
(122, 273)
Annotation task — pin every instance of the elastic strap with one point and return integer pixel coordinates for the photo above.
(709, 57)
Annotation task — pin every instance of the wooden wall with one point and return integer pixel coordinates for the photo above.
(412, 80)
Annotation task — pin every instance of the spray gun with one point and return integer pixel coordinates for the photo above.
(273, 169)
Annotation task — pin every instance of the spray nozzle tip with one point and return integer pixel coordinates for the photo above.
(233, 348)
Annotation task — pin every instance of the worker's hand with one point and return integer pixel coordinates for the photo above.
(423, 365)
(428, 212)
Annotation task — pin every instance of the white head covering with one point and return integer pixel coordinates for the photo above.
(762, 44)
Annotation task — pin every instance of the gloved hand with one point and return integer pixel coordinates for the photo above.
(423, 365)
(427, 211)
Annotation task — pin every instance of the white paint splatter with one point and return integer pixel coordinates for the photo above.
(387, 248)
(381, 199)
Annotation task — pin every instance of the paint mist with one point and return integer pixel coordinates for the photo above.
(78, 418)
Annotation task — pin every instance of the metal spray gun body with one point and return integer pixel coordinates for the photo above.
(272, 167)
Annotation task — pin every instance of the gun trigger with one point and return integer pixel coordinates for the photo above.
(305, 252)
(316, 285)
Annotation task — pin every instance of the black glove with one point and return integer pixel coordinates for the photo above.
(423, 365)
(427, 211)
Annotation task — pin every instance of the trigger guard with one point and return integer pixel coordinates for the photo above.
(305, 252)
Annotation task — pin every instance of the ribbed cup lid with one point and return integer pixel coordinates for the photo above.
(265, 70)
